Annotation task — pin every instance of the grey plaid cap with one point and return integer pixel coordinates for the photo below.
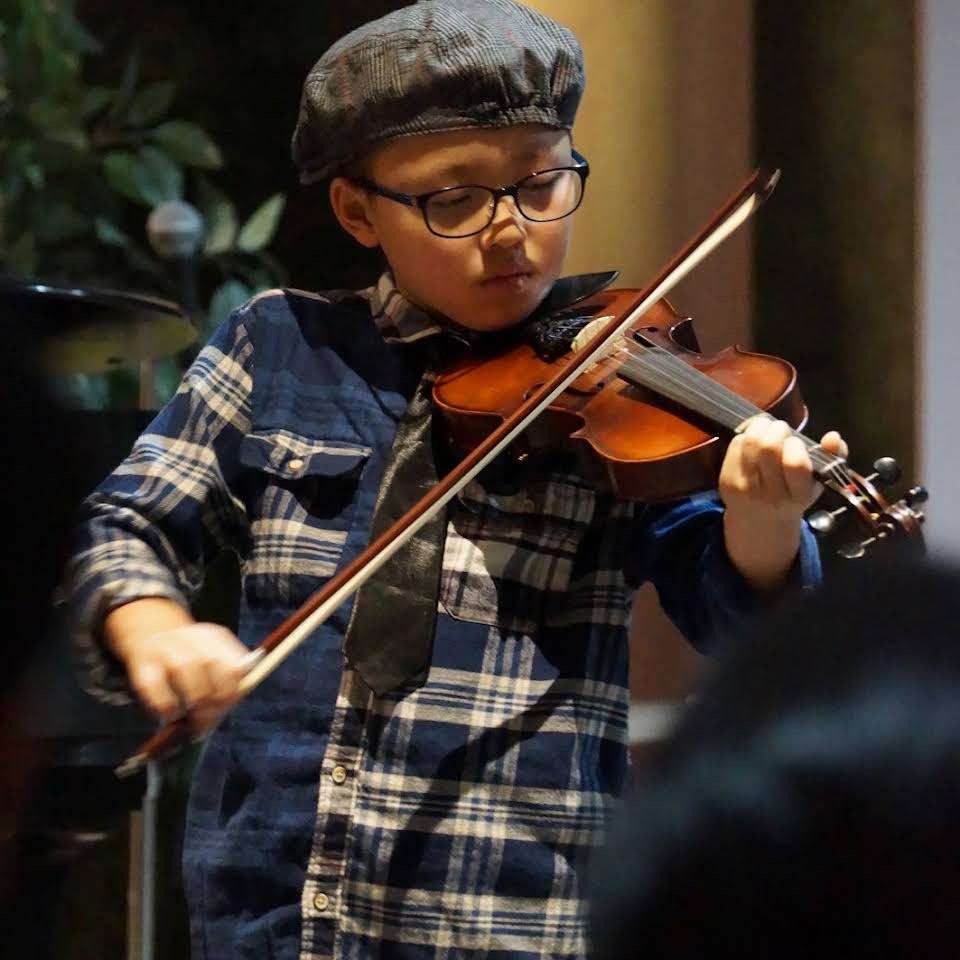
(436, 66)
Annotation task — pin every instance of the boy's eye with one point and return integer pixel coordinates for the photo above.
(451, 199)
(539, 185)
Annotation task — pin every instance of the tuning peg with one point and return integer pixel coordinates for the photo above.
(854, 551)
(886, 470)
(916, 495)
(824, 522)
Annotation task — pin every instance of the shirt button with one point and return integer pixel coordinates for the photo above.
(321, 901)
(338, 775)
(295, 466)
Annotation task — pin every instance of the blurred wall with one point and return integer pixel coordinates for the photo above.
(835, 250)
(666, 124)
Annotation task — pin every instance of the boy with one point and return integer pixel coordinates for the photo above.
(407, 801)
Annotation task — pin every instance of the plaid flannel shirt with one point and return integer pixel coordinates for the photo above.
(451, 820)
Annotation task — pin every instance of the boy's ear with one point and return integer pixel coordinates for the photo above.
(351, 208)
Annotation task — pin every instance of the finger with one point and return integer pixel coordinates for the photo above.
(151, 685)
(223, 681)
(798, 471)
(229, 652)
(833, 443)
(751, 450)
(190, 679)
(217, 673)
(196, 696)
(732, 480)
(764, 450)
(227, 663)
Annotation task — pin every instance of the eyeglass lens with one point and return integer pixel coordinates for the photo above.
(544, 196)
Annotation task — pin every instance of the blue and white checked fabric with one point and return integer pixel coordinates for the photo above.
(455, 820)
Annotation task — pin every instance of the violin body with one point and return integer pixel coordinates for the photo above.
(627, 437)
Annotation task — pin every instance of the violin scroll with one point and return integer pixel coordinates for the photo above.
(875, 518)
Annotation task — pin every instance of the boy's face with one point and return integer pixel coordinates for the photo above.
(487, 281)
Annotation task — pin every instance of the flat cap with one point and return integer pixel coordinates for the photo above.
(436, 66)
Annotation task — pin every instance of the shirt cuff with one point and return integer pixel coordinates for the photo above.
(731, 597)
(102, 674)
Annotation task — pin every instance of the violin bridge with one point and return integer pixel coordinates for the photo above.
(587, 333)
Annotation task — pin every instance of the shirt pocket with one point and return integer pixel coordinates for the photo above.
(509, 560)
(301, 497)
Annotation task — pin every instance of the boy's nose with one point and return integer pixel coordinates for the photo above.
(508, 225)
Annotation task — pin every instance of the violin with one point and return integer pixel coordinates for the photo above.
(652, 417)
(630, 355)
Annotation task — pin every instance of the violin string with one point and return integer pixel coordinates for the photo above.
(661, 370)
(670, 369)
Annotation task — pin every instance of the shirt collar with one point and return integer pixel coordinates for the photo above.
(397, 319)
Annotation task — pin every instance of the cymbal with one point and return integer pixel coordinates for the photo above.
(88, 330)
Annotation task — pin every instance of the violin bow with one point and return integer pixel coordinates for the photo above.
(285, 639)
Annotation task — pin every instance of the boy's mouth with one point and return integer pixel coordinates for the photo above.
(508, 277)
(515, 281)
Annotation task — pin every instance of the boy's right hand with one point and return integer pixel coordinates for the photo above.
(174, 664)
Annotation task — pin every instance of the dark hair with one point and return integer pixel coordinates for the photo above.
(809, 802)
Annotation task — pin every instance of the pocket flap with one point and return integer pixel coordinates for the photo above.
(291, 455)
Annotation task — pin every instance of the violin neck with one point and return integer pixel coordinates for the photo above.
(668, 376)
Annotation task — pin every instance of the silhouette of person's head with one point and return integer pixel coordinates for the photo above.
(808, 804)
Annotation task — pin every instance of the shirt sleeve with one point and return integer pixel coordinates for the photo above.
(683, 554)
(149, 528)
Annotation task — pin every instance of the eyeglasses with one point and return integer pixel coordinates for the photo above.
(468, 209)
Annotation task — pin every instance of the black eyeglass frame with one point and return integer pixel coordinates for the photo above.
(581, 166)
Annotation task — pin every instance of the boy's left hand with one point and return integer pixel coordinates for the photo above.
(767, 483)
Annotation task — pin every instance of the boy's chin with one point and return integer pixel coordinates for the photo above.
(510, 311)
(497, 321)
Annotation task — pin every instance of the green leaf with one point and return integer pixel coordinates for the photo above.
(189, 143)
(35, 175)
(149, 178)
(258, 231)
(59, 67)
(120, 169)
(57, 120)
(160, 178)
(63, 157)
(151, 103)
(50, 115)
(95, 99)
(74, 32)
(219, 216)
(109, 234)
(226, 298)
